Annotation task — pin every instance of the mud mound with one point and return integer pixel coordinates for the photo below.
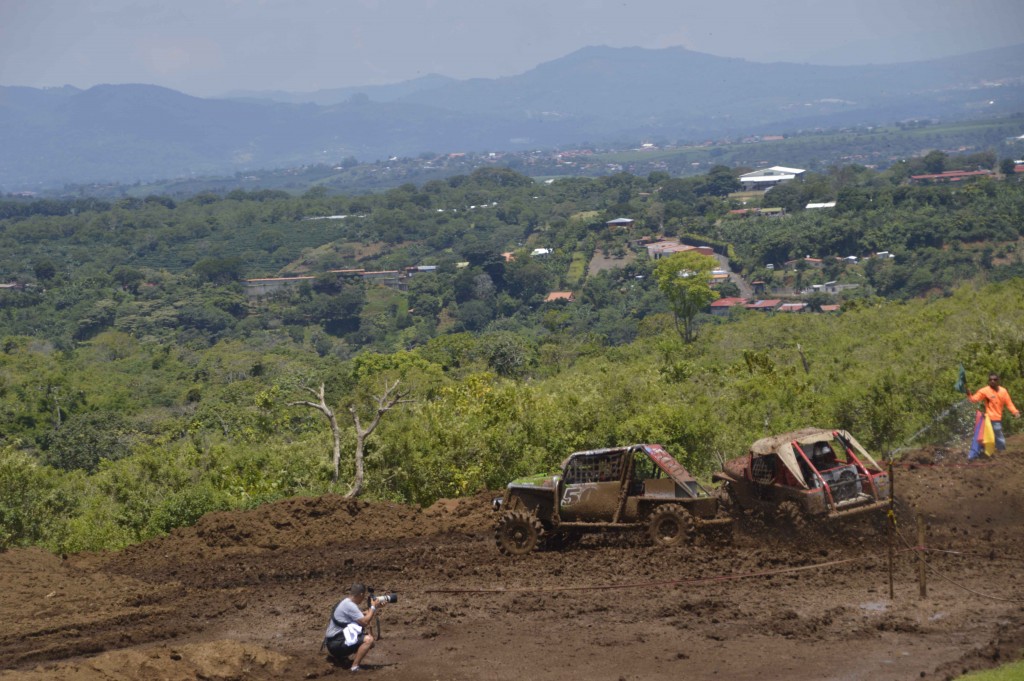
(308, 522)
(470, 514)
(246, 594)
(968, 501)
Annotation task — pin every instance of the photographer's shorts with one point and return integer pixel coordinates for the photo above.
(340, 651)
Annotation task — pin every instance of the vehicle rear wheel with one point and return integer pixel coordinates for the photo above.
(518, 533)
(670, 526)
(790, 515)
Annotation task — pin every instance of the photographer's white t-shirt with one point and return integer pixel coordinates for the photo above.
(347, 614)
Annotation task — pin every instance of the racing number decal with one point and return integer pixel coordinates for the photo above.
(575, 494)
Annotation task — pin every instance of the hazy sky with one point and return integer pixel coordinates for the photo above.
(209, 47)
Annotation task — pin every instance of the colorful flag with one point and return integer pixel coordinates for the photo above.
(961, 381)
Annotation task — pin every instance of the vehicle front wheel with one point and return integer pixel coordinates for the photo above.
(518, 533)
(670, 526)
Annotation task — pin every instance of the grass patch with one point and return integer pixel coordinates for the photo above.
(1009, 672)
(577, 269)
(585, 217)
(380, 299)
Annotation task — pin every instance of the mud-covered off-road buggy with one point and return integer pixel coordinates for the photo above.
(809, 473)
(620, 488)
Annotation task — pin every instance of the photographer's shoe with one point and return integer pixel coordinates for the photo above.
(356, 669)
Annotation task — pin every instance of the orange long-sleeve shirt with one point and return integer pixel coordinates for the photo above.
(995, 400)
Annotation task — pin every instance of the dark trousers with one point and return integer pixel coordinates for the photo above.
(339, 651)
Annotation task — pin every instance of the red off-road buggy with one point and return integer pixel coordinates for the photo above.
(809, 473)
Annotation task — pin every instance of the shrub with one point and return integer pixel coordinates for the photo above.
(28, 496)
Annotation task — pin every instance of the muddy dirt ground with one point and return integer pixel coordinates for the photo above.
(247, 595)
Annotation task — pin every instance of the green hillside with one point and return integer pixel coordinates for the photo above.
(134, 438)
(141, 386)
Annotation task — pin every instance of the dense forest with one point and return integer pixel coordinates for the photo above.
(142, 383)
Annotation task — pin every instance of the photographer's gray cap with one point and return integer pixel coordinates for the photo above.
(357, 590)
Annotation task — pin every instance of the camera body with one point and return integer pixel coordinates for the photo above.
(388, 597)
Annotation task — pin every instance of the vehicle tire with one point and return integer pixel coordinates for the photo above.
(518, 533)
(670, 525)
(790, 515)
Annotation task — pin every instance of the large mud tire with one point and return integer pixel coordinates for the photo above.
(791, 517)
(518, 533)
(670, 526)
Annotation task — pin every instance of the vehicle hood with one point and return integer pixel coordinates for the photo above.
(538, 480)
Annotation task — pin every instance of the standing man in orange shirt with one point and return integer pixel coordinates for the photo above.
(995, 397)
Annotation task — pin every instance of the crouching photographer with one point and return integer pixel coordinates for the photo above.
(348, 632)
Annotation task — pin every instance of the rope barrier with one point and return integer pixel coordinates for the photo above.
(934, 571)
(974, 554)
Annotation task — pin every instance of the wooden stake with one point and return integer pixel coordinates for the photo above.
(922, 567)
(891, 533)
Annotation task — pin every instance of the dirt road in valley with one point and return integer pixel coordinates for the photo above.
(247, 595)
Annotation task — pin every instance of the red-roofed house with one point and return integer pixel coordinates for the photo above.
(830, 308)
(793, 307)
(950, 176)
(764, 212)
(722, 306)
(809, 261)
(567, 296)
(764, 305)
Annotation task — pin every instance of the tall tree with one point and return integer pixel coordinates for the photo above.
(720, 181)
(684, 279)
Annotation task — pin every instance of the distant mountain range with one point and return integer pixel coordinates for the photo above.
(378, 93)
(597, 95)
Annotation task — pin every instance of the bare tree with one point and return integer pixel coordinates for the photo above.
(385, 401)
(322, 407)
(391, 397)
